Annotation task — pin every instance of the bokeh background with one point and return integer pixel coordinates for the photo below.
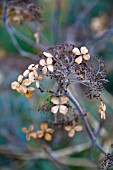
(83, 22)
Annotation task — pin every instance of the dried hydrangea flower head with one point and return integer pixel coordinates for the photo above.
(72, 129)
(102, 110)
(45, 131)
(29, 132)
(22, 10)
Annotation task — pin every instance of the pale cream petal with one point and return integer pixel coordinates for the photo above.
(86, 57)
(68, 128)
(54, 109)
(15, 85)
(55, 100)
(48, 137)
(103, 115)
(40, 133)
(47, 54)
(33, 135)
(83, 50)
(24, 130)
(20, 78)
(71, 133)
(28, 137)
(37, 84)
(26, 72)
(78, 60)
(22, 89)
(50, 130)
(76, 51)
(50, 68)
(35, 73)
(31, 128)
(31, 76)
(36, 66)
(44, 70)
(31, 89)
(63, 109)
(42, 62)
(44, 126)
(49, 61)
(63, 99)
(30, 67)
(78, 128)
(26, 82)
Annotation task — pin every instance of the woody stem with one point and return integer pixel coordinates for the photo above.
(87, 126)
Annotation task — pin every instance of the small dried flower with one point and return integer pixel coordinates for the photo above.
(45, 131)
(29, 93)
(46, 65)
(102, 110)
(82, 54)
(59, 104)
(71, 129)
(29, 132)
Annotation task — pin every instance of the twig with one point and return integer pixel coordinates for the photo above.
(89, 131)
(27, 40)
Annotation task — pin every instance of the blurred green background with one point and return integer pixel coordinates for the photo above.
(83, 22)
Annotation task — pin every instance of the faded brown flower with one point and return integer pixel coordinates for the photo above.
(29, 132)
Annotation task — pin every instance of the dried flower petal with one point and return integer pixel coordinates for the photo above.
(71, 133)
(76, 51)
(24, 130)
(26, 73)
(20, 78)
(55, 100)
(63, 109)
(63, 100)
(26, 82)
(48, 137)
(54, 109)
(78, 60)
(44, 70)
(44, 126)
(31, 66)
(37, 84)
(15, 85)
(78, 128)
(47, 54)
(86, 57)
(83, 50)
(50, 130)
(40, 133)
(42, 62)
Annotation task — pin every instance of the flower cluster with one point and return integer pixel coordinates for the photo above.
(66, 64)
(44, 132)
(22, 10)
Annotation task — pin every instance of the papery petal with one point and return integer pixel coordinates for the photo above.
(36, 66)
(31, 76)
(68, 128)
(48, 137)
(33, 135)
(35, 73)
(44, 126)
(26, 72)
(24, 130)
(40, 133)
(54, 109)
(22, 89)
(20, 78)
(83, 50)
(78, 60)
(50, 130)
(28, 95)
(71, 133)
(63, 109)
(31, 89)
(42, 62)
(86, 57)
(30, 67)
(55, 100)
(49, 61)
(44, 70)
(50, 68)
(37, 84)
(31, 128)
(47, 54)
(103, 115)
(63, 99)
(28, 137)
(26, 82)
(76, 51)
(15, 85)
(78, 128)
